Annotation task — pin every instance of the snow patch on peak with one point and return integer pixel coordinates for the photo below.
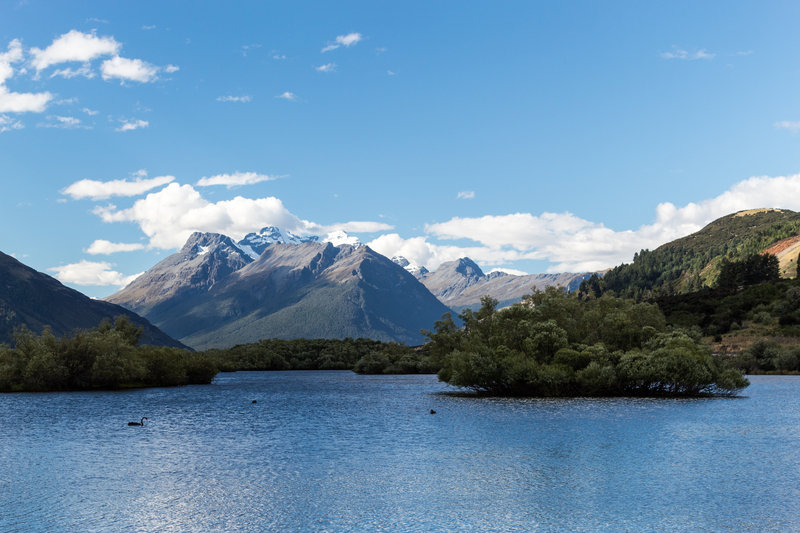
(412, 268)
(339, 237)
(203, 250)
(253, 244)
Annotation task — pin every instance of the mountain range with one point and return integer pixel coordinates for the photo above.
(216, 292)
(213, 293)
(461, 283)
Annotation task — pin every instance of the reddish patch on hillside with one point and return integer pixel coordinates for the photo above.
(782, 245)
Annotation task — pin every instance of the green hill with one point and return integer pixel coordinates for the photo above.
(693, 262)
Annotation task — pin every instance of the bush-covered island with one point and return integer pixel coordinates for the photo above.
(553, 344)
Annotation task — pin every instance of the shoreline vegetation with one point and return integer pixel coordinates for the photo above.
(550, 344)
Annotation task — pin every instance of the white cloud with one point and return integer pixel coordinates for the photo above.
(11, 102)
(680, 53)
(278, 57)
(793, 126)
(91, 273)
(23, 102)
(288, 96)
(512, 271)
(168, 217)
(74, 46)
(465, 195)
(84, 70)
(148, 27)
(67, 123)
(327, 67)
(169, 69)
(343, 40)
(124, 69)
(8, 124)
(242, 99)
(90, 112)
(355, 226)
(101, 190)
(103, 247)
(13, 55)
(570, 243)
(130, 125)
(237, 178)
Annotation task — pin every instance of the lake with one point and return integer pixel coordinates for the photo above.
(335, 451)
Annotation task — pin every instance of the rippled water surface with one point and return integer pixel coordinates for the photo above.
(334, 451)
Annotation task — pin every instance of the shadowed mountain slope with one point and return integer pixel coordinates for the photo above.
(36, 300)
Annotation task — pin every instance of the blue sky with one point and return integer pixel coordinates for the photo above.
(530, 136)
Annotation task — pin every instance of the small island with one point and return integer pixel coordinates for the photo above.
(554, 345)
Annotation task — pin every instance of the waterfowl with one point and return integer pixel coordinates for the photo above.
(139, 423)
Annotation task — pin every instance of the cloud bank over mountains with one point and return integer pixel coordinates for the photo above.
(569, 243)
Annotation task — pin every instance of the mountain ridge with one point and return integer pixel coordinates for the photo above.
(36, 300)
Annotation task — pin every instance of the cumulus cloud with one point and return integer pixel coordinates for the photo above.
(240, 99)
(288, 95)
(12, 102)
(237, 178)
(327, 67)
(465, 195)
(355, 226)
(169, 216)
(103, 247)
(685, 55)
(169, 69)
(92, 273)
(130, 125)
(570, 243)
(793, 126)
(125, 69)
(101, 190)
(343, 40)
(74, 46)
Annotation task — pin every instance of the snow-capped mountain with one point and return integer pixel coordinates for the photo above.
(212, 294)
(254, 244)
(413, 268)
(341, 237)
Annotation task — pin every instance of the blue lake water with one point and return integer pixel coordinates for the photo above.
(334, 451)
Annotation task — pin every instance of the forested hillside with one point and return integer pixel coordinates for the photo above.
(694, 262)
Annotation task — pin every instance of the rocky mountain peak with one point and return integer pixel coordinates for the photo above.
(413, 268)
